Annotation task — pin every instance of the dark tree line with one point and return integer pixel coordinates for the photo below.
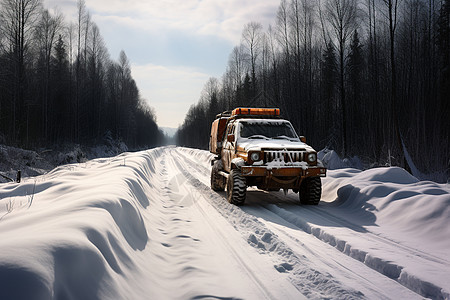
(59, 85)
(363, 77)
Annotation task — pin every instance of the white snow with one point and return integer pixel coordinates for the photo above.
(284, 144)
(332, 161)
(146, 225)
(280, 162)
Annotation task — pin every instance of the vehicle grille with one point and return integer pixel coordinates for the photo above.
(285, 155)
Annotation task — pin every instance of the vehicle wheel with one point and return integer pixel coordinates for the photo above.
(310, 191)
(218, 182)
(236, 188)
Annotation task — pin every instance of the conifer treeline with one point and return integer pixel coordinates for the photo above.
(58, 83)
(363, 77)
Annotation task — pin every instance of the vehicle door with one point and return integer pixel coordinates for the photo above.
(228, 148)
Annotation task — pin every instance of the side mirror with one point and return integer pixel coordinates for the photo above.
(303, 139)
(230, 138)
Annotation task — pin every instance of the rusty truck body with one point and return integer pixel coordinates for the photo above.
(256, 147)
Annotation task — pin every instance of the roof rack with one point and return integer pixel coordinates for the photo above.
(248, 112)
(251, 112)
(225, 114)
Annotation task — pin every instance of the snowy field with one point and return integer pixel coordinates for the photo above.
(146, 225)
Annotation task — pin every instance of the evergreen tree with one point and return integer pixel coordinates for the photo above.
(355, 72)
(47, 98)
(355, 67)
(60, 92)
(328, 100)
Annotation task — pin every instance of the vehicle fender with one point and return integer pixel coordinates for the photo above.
(237, 163)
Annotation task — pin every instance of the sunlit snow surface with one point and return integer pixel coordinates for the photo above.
(146, 225)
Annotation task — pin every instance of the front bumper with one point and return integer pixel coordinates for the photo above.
(285, 171)
(281, 177)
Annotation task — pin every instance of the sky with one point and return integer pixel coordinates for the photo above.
(174, 46)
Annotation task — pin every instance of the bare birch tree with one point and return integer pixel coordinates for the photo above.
(18, 20)
(47, 29)
(342, 18)
(252, 41)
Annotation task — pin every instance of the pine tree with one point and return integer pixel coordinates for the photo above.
(355, 67)
(355, 72)
(329, 77)
(60, 93)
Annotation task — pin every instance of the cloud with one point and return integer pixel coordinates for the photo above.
(170, 90)
(207, 17)
(174, 45)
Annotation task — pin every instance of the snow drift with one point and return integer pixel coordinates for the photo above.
(142, 226)
(66, 232)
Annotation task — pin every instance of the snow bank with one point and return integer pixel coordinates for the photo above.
(201, 156)
(398, 200)
(130, 227)
(332, 161)
(71, 234)
(394, 206)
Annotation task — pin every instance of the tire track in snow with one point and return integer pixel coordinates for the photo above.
(234, 251)
(322, 213)
(410, 250)
(340, 264)
(383, 266)
(174, 242)
(380, 264)
(313, 283)
(189, 241)
(222, 237)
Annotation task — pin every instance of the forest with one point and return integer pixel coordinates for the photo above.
(366, 78)
(58, 84)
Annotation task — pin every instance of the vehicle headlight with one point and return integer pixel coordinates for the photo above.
(312, 157)
(254, 156)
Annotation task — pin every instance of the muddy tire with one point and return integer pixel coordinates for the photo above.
(218, 182)
(310, 191)
(236, 188)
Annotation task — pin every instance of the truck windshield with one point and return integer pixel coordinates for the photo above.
(270, 130)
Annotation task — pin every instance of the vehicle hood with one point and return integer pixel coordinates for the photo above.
(258, 145)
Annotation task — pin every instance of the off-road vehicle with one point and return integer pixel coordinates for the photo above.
(255, 147)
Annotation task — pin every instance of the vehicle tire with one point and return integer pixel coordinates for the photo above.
(236, 188)
(218, 182)
(310, 191)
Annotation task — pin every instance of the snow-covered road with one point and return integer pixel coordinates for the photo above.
(146, 225)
